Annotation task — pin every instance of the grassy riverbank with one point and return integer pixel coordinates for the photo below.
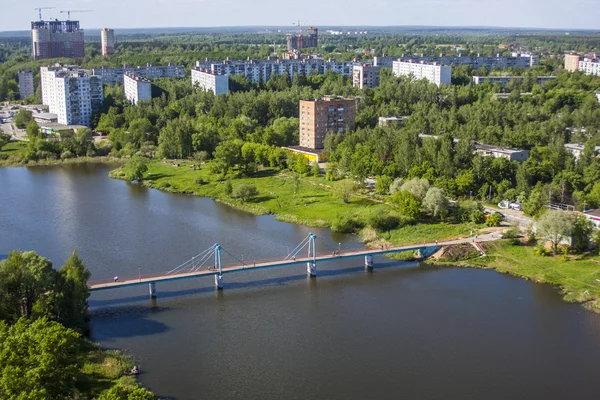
(316, 203)
(577, 277)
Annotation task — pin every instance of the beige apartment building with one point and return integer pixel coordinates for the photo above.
(320, 116)
(571, 62)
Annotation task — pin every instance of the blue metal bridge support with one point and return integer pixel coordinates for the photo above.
(311, 266)
(219, 267)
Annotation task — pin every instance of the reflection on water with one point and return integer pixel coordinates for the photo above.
(402, 331)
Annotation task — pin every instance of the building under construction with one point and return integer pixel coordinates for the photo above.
(301, 40)
(53, 39)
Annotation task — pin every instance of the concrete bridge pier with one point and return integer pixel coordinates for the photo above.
(152, 289)
(420, 254)
(311, 268)
(369, 263)
(219, 281)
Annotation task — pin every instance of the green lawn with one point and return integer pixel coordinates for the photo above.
(15, 149)
(578, 278)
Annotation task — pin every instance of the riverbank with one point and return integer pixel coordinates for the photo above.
(313, 202)
(19, 162)
(576, 277)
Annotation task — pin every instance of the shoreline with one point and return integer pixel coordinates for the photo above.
(47, 163)
(573, 278)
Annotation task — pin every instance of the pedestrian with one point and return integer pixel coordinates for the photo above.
(436, 242)
(476, 235)
(116, 278)
(254, 264)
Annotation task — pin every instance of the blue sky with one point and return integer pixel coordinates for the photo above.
(567, 14)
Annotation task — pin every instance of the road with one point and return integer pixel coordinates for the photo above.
(512, 215)
(8, 127)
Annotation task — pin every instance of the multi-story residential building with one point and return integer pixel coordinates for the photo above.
(392, 121)
(137, 88)
(435, 73)
(590, 66)
(218, 84)
(319, 116)
(476, 62)
(257, 70)
(26, 83)
(504, 80)
(301, 41)
(71, 93)
(113, 76)
(107, 39)
(577, 149)
(53, 39)
(571, 62)
(501, 152)
(365, 75)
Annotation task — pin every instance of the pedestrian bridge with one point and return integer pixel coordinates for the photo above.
(209, 262)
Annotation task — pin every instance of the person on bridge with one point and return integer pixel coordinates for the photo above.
(116, 278)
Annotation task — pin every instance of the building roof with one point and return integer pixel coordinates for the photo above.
(498, 149)
(304, 149)
(45, 116)
(61, 127)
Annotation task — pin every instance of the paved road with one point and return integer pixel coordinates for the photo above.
(512, 215)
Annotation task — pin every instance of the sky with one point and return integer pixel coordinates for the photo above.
(553, 14)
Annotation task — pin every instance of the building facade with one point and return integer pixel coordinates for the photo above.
(365, 76)
(26, 87)
(590, 66)
(218, 84)
(137, 88)
(113, 76)
(392, 121)
(107, 39)
(571, 62)
(257, 70)
(504, 80)
(487, 150)
(71, 93)
(320, 116)
(435, 73)
(301, 41)
(53, 39)
(476, 62)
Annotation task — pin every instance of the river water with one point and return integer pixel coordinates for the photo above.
(402, 332)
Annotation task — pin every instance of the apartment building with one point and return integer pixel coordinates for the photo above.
(71, 93)
(53, 39)
(320, 116)
(137, 88)
(504, 80)
(365, 75)
(113, 76)
(257, 70)
(107, 39)
(301, 41)
(487, 150)
(392, 121)
(435, 73)
(476, 62)
(572, 62)
(218, 84)
(26, 87)
(590, 66)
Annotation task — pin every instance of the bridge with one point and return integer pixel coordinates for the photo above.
(209, 262)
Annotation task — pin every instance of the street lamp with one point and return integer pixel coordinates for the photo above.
(139, 274)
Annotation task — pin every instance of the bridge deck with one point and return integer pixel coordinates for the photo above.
(162, 277)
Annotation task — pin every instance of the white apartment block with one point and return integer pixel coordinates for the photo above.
(71, 93)
(113, 76)
(365, 76)
(26, 83)
(107, 39)
(137, 88)
(262, 70)
(218, 84)
(438, 74)
(479, 61)
(504, 80)
(590, 66)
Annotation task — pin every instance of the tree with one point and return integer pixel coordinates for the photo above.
(315, 169)
(555, 226)
(382, 184)
(38, 360)
(245, 192)
(135, 168)
(493, 220)
(396, 186)
(4, 139)
(583, 230)
(22, 118)
(227, 155)
(346, 189)
(295, 182)
(74, 311)
(408, 203)
(435, 202)
(32, 129)
(418, 187)
(228, 189)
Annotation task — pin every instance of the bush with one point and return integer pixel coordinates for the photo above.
(382, 184)
(540, 250)
(66, 154)
(493, 220)
(228, 189)
(344, 223)
(200, 181)
(383, 221)
(245, 192)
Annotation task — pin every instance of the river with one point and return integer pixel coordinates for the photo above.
(402, 332)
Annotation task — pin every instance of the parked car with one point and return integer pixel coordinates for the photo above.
(515, 206)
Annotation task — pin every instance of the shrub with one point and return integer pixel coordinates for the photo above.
(345, 223)
(66, 154)
(245, 192)
(382, 220)
(540, 250)
(228, 189)
(200, 181)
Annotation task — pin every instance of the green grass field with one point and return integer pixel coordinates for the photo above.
(577, 277)
(15, 149)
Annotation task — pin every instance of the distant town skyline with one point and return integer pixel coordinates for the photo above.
(121, 14)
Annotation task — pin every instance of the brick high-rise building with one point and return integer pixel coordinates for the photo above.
(53, 39)
(107, 37)
(320, 116)
(571, 62)
(301, 41)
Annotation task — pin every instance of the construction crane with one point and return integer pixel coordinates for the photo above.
(39, 9)
(299, 25)
(70, 11)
